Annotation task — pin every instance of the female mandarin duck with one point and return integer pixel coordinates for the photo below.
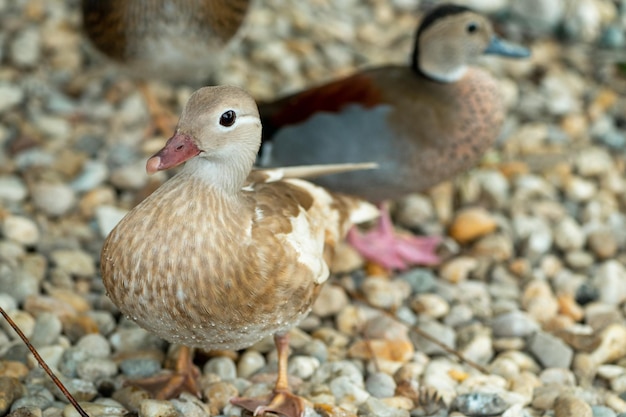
(219, 257)
(422, 124)
(171, 40)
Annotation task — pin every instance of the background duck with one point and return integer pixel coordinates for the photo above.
(422, 123)
(175, 41)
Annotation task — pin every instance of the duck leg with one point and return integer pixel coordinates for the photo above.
(170, 385)
(384, 246)
(282, 401)
(163, 120)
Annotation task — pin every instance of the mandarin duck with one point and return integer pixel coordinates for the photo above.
(422, 124)
(170, 40)
(218, 256)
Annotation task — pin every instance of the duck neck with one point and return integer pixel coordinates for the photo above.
(225, 171)
(436, 65)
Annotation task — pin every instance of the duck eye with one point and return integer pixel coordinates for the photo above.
(228, 118)
(472, 27)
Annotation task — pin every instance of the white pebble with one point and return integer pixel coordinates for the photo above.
(20, 229)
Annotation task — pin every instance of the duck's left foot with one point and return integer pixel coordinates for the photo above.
(280, 402)
(391, 250)
(170, 385)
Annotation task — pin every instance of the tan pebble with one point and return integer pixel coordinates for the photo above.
(69, 162)
(442, 196)
(575, 125)
(392, 350)
(35, 264)
(327, 410)
(612, 344)
(558, 323)
(472, 223)
(431, 305)
(569, 307)
(458, 375)
(74, 262)
(525, 384)
(346, 259)
(94, 199)
(218, 395)
(615, 402)
(375, 270)
(512, 169)
(21, 230)
(131, 397)
(331, 337)
(496, 246)
(10, 390)
(399, 402)
(539, 301)
(520, 267)
(75, 327)
(458, 269)
(23, 320)
(414, 210)
(385, 293)
(567, 405)
(602, 243)
(603, 101)
(157, 408)
(330, 301)
(37, 304)
(69, 297)
(13, 369)
(351, 320)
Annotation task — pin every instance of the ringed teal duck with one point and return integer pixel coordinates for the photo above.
(422, 124)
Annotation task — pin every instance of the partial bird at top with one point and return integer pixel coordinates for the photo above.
(422, 123)
(171, 40)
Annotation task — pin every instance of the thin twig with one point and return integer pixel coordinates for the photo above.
(43, 364)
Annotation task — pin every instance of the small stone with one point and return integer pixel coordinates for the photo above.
(610, 280)
(470, 224)
(140, 367)
(131, 397)
(384, 293)
(479, 404)
(414, 210)
(10, 390)
(603, 243)
(80, 389)
(331, 300)
(375, 407)
(222, 366)
(380, 385)
(391, 350)
(26, 47)
(612, 345)
(420, 279)
(601, 411)
(19, 284)
(568, 235)
(10, 96)
(47, 330)
(20, 229)
(95, 410)
(303, 366)
(514, 324)
(458, 269)
(551, 351)
(93, 174)
(495, 246)
(344, 389)
(249, 363)
(95, 369)
(219, 395)
(190, 406)
(157, 408)
(579, 189)
(95, 198)
(559, 376)
(53, 199)
(430, 305)
(569, 405)
(74, 262)
(130, 177)
(442, 333)
(539, 301)
(108, 217)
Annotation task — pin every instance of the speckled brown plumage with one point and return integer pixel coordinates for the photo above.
(175, 40)
(217, 257)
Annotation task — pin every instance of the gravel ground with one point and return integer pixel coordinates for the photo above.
(531, 292)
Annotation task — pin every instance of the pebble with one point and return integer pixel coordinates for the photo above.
(74, 262)
(47, 330)
(551, 351)
(346, 390)
(384, 293)
(443, 334)
(610, 280)
(10, 96)
(219, 395)
(374, 407)
(21, 229)
(249, 363)
(479, 404)
(430, 305)
(331, 300)
(303, 366)
(222, 366)
(10, 390)
(53, 199)
(568, 235)
(96, 409)
(140, 367)
(421, 280)
(190, 406)
(157, 408)
(569, 405)
(602, 411)
(514, 324)
(472, 223)
(380, 385)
